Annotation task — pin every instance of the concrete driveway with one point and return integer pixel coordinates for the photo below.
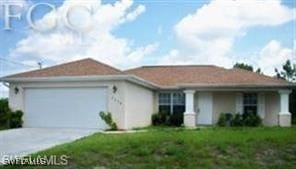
(24, 141)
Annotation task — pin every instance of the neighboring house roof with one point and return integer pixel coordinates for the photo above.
(203, 75)
(153, 76)
(85, 67)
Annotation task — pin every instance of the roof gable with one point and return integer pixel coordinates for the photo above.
(85, 67)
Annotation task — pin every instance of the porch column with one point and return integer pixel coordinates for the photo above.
(284, 114)
(189, 114)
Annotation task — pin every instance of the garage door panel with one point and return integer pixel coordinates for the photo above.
(65, 107)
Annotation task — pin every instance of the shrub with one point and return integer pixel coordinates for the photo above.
(251, 120)
(176, 119)
(4, 110)
(15, 119)
(237, 120)
(161, 118)
(8, 118)
(222, 120)
(167, 119)
(156, 120)
(228, 119)
(107, 117)
(225, 119)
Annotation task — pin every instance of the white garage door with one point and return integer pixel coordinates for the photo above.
(65, 107)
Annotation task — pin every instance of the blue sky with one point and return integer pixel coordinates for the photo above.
(159, 15)
(158, 32)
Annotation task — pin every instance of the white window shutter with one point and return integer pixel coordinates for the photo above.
(261, 105)
(239, 103)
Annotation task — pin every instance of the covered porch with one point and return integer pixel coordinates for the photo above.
(203, 107)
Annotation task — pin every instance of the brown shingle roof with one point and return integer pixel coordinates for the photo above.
(85, 67)
(165, 76)
(202, 74)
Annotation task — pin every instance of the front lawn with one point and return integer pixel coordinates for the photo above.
(177, 148)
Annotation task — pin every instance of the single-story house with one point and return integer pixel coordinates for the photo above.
(71, 95)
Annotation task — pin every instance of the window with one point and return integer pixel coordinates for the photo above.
(172, 102)
(250, 102)
(165, 102)
(178, 103)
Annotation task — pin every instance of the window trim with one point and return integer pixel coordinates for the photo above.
(250, 104)
(171, 104)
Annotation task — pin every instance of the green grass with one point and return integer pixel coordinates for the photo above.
(178, 148)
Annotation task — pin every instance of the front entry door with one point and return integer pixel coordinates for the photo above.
(205, 108)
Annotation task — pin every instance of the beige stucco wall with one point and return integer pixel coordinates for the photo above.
(223, 102)
(115, 100)
(226, 102)
(132, 105)
(139, 105)
(16, 101)
(155, 102)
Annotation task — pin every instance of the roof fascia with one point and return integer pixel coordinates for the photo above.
(130, 78)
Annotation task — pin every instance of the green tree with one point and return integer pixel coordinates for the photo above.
(244, 66)
(288, 73)
(247, 67)
(4, 111)
(259, 71)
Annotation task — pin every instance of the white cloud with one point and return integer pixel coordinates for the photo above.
(137, 55)
(174, 58)
(133, 15)
(208, 35)
(3, 91)
(274, 55)
(8, 67)
(97, 41)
